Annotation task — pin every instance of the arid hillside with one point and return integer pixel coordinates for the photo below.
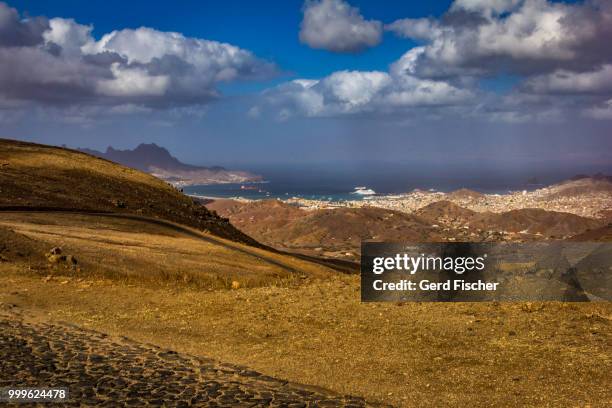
(338, 232)
(528, 222)
(446, 213)
(532, 221)
(602, 234)
(140, 251)
(34, 176)
(580, 185)
(331, 232)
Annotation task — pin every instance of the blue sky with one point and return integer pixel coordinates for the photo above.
(443, 80)
(269, 29)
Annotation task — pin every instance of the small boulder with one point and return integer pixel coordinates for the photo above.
(55, 256)
(70, 259)
(119, 204)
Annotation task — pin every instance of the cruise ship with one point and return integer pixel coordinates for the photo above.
(364, 191)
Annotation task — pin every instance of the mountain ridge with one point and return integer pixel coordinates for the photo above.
(157, 160)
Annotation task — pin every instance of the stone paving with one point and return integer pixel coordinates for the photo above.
(102, 371)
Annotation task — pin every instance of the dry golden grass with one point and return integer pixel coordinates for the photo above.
(39, 176)
(415, 355)
(516, 266)
(51, 160)
(138, 252)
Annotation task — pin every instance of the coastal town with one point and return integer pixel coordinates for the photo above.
(580, 197)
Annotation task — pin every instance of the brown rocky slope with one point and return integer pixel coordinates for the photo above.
(331, 232)
(529, 221)
(339, 232)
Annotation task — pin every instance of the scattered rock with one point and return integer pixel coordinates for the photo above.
(55, 256)
(55, 251)
(119, 204)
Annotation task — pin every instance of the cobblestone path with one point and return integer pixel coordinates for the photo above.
(100, 371)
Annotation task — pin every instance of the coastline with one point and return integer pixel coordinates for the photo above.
(551, 198)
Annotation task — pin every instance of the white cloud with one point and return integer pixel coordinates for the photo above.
(556, 49)
(17, 32)
(407, 64)
(519, 36)
(59, 62)
(413, 91)
(296, 97)
(603, 112)
(563, 81)
(254, 112)
(335, 25)
(133, 82)
(69, 35)
(488, 7)
(533, 31)
(214, 60)
(353, 92)
(416, 28)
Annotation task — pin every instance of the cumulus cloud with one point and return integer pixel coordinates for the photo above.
(557, 51)
(488, 7)
(68, 35)
(569, 82)
(135, 82)
(58, 62)
(554, 51)
(415, 28)
(602, 112)
(15, 32)
(478, 37)
(335, 25)
(359, 92)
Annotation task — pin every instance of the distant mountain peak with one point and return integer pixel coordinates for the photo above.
(157, 160)
(147, 156)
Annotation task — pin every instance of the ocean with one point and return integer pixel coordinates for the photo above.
(337, 182)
